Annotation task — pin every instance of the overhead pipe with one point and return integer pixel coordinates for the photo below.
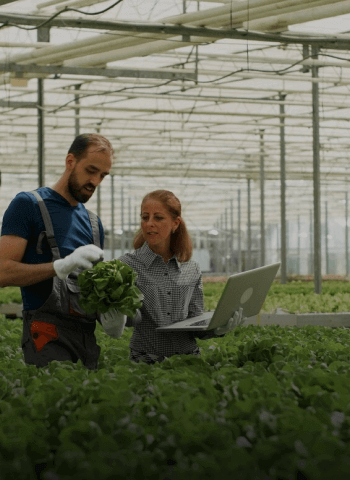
(301, 77)
(214, 86)
(56, 54)
(62, 50)
(152, 46)
(49, 4)
(285, 61)
(210, 14)
(103, 44)
(288, 6)
(281, 22)
(23, 45)
(187, 111)
(209, 98)
(79, 3)
(135, 51)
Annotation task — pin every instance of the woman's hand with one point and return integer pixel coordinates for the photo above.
(113, 323)
(236, 320)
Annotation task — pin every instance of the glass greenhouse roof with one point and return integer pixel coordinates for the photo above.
(195, 97)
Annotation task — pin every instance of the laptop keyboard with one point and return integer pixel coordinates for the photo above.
(200, 322)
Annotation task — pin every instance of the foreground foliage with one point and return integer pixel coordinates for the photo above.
(262, 403)
(10, 295)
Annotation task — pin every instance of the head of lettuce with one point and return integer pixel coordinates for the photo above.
(109, 286)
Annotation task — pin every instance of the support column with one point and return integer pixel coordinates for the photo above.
(249, 262)
(227, 249)
(346, 235)
(231, 235)
(298, 244)
(129, 226)
(77, 111)
(239, 233)
(112, 217)
(326, 238)
(196, 50)
(311, 245)
(317, 177)
(283, 193)
(122, 216)
(262, 200)
(99, 186)
(43, 35)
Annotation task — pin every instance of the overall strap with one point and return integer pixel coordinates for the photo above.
(95, 228)
(48, 228)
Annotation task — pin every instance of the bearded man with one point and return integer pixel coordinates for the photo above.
(47, 238)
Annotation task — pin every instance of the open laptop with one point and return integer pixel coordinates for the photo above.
(247, 290)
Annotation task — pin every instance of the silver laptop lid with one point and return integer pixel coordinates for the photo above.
(247, 290)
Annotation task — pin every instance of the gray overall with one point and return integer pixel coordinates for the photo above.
(60, 329)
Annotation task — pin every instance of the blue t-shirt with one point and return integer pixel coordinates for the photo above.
(71, 226)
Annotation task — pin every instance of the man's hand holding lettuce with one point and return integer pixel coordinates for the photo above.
(109, 289)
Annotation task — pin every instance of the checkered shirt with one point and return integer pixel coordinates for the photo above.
(172, 292)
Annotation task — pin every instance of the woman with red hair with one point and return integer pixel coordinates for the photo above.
(170, 281)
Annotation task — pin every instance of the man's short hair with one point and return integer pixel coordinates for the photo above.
(82, 142)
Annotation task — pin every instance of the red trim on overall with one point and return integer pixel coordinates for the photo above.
(42, 333)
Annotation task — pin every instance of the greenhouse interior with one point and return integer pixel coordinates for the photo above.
(238, 107)
(241, 109)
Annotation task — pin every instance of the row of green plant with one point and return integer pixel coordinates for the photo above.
(293, 297)
(267, 403)
(10, 295)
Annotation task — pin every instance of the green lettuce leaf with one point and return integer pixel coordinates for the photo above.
(109, 285)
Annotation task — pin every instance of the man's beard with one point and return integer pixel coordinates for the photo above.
(76, 190)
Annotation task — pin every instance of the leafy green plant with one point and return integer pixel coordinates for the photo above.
(260, 403)
(109, 285)
(293, 297)
(10, 295)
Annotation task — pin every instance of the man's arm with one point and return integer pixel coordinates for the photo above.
(15, 273)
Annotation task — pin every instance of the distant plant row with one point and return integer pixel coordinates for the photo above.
(294, 297)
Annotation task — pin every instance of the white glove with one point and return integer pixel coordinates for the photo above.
(234, 321)
(113, 323)
(80, 258)
(137, 318)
